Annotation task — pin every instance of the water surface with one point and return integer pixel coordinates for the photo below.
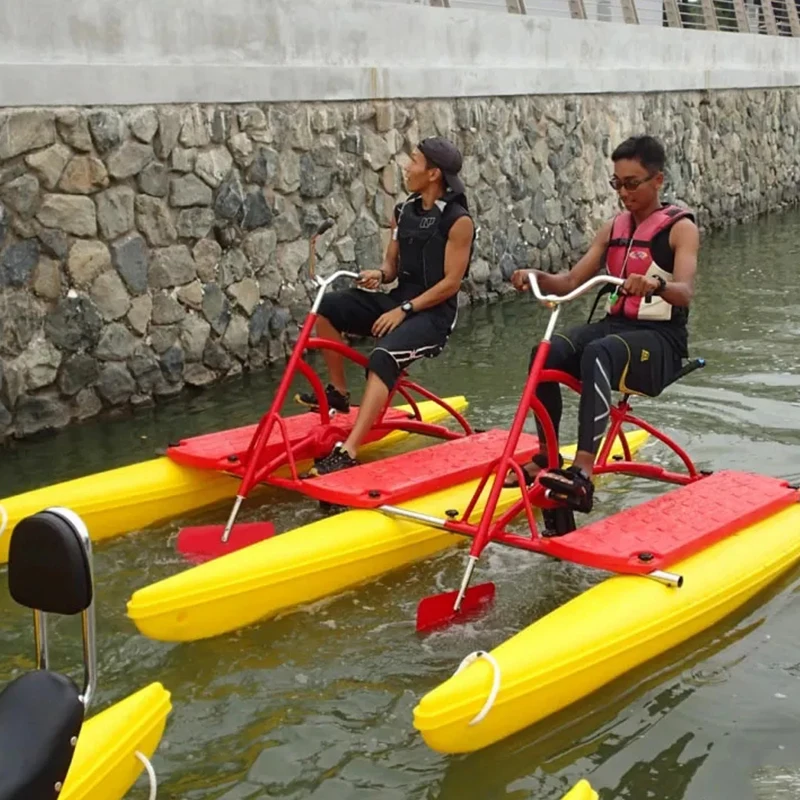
(317, 704)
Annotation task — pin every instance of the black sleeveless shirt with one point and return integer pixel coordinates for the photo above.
(422, 237)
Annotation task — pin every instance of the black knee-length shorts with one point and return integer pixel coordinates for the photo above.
(421, 335)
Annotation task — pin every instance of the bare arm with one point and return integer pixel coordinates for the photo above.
(390, 259)
(684, 239)
(564, 282)
(456, 259)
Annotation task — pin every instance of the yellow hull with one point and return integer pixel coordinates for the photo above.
(602, 634)
(140, 495)
(581, 791)
(105, 765)
(300, 566)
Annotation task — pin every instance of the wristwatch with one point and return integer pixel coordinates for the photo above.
(407, 307)
(662, 284)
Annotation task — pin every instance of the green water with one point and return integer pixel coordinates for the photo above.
(317, 704)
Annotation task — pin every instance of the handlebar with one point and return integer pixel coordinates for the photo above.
(340, 273)
(556, 299)
(324, 283)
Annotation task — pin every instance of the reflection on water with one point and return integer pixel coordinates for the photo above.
(317, 704)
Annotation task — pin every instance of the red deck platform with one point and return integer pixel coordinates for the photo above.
(676, 525)
(225, 450)
(393, 480)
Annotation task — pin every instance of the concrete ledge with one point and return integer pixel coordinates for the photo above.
(90, 52)
(79, 84)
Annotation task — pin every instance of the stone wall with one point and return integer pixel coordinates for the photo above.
(147, 249)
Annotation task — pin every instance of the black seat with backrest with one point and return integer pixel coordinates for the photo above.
(42, 712)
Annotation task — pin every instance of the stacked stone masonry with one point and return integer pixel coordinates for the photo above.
(147, 249)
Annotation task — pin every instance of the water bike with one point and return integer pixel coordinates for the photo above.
(400, 509)
(682, 561)
(198, 472)
(47, 748)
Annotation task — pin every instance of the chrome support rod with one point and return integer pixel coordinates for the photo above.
(88, 621)
(40, 640)
(426, 519)
(551, 324)
(670, 579)
(237, 504)
(473, 560)
(88, 627)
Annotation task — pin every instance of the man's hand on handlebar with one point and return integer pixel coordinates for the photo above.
(521, 282)
(639, 285)
(370, 278)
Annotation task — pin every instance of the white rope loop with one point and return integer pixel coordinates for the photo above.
(487, 706)
(151, 773)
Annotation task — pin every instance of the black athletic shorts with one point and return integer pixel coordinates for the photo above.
(421, 335)
(644, 360)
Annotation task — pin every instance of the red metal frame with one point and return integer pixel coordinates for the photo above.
(257, 470)
(487, 529)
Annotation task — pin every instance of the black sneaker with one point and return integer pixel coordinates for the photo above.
(337, 400)
(571, 486)
(337, 459)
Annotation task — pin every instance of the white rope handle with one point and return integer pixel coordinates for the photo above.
(487, 706)
(3, 519)
(151, 773)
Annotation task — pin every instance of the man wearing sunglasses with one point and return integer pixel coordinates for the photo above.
(432, 242)
(638, 346)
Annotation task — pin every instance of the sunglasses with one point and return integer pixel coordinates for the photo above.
(629, 183)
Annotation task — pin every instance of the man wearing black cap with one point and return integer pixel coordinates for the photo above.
(429, 255)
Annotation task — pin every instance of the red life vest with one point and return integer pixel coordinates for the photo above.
(629, 253)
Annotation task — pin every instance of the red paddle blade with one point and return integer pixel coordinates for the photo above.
(204, 542)
(437, 611)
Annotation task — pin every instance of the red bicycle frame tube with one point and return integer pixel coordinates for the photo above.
(528, 394)
(264, 429)
(257, 471)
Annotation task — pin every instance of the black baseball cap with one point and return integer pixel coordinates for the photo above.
(444, 154)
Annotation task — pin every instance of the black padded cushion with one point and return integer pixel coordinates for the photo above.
(40, 713)
(48, 567)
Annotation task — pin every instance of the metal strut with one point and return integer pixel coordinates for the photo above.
(671, 579)
(471, 562)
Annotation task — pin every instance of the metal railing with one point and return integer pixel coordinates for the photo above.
(769, 17)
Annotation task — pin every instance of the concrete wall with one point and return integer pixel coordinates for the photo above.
(156, 190)
(87, 52)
